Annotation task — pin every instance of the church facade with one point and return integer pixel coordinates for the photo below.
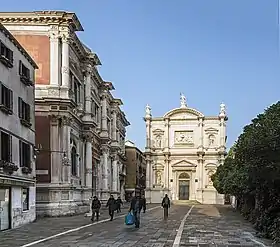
(183, 150)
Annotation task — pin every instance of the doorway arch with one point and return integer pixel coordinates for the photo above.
(184, 186)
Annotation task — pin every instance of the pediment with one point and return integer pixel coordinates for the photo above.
(183, 113)
(183, 163)
(158, 131)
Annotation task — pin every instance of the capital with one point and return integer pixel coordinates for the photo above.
(53, 35)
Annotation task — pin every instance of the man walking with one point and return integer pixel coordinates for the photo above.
(119, 203)
(136, 206)
(111, 204)
(166, 205)
(95, 207)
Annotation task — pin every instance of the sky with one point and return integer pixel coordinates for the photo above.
(212, 51)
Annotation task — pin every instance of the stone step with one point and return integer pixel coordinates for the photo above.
(185, 202)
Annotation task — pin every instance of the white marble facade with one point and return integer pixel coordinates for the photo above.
(183, 149)
(86, 124)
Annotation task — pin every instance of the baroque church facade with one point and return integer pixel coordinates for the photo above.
(183, 150)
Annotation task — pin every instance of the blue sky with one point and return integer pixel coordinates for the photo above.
(212, 51)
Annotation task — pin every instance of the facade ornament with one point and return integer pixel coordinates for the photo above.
(66, 121)
(211, 140)
(210, 182)
(158, 141)
(54, 35)
(148, 111)
(222, 110)
(183, 100)
(158, 177)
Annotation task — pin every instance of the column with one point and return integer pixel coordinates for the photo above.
(104, 126)
(54, 58)
(89, 161)
(201, 179)
(65, 60)
(66, 168)
(148, 172)
(166, 172)
(105, 153)
(166, 134)
(56, 157)
(201, 132)
(114, 125)
(148, 133)
(222, 132)
(115, 175)
(88, 89)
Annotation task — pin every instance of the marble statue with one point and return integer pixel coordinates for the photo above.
(210, 182)
(183, 100)
(222, 109)
(158, 141)
(148, 110)
(158, 177)
(211, 140)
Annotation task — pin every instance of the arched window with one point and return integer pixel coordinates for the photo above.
(74, 161)
(184, 175)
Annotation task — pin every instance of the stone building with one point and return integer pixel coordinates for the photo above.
(183, 149)
(135, 170)
(74, 112)
(17, 133)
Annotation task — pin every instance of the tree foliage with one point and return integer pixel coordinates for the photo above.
(251, 172)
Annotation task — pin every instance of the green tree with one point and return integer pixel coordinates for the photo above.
(251, 172)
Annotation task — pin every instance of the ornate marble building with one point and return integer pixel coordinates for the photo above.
(183, 149)
(80, 128)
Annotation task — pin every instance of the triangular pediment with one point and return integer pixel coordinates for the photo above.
(183, 163)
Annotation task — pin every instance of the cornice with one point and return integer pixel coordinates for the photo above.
(42, 18)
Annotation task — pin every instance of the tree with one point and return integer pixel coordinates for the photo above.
(251, 172)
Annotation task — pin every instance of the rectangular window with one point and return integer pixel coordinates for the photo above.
(24, 154)
(24, 73)
(6, 99)
(25, 199)
(24, 112)
(6, 147)
(6, 55)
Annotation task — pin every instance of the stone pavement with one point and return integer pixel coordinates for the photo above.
(218, 226)
(206, 225)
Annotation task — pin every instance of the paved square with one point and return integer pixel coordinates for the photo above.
(206, 226)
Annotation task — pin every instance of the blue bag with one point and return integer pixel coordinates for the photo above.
(129, 219)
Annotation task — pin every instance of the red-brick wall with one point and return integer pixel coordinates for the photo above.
(43, 161)
(38, 47)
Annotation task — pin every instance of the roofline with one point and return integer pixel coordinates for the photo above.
(18, 45)
(43, 16)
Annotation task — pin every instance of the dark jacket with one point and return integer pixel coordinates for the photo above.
(133, 204)
(119, 201)
(163, 203)
(111, 203)
(95, 204)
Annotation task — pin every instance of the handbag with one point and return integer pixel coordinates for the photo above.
(129, 219)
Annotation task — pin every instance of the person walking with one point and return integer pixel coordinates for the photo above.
(111, 204)
(136, 206)
(166, 205)
(95, 207)
(144, 204)
(119, 203)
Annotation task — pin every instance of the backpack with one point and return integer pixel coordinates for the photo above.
(165, 202)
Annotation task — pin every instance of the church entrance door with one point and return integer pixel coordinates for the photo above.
(184, 189)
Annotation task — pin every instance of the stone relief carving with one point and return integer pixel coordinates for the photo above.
(158, 177)
(210, 173)
(211, 140)
(184, 137)
(53, 92)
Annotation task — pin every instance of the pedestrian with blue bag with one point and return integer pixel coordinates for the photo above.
(135, 207)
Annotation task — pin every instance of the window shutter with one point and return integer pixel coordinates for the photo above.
(20, 108)
(28, 73)
(28, 156)
(11, 56)
(20, 153)
(10, 148)
(11, 100)
(1, 100)
(20, 67)
(28, 112)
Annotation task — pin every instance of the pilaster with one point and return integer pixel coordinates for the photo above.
(65, 38)
(105, 154)
(115, 175)
(89, 139)
(54, 56)
(56, 156)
